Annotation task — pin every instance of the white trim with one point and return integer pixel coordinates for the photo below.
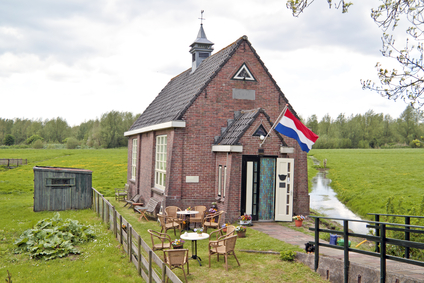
(227, 148)
(166, 125)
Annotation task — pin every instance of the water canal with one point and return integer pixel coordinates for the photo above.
(324, 201)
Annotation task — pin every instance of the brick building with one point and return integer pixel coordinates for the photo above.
(198, 142)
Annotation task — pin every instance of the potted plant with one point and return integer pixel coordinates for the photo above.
(224, 227)
(245, 219)
(241, 231)
(298, 220)
(177, 244)
(199, 231)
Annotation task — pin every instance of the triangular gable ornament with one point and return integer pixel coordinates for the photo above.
(244, 74)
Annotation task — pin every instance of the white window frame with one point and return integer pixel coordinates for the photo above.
(134, 159)
(160, 161)
(219, 180)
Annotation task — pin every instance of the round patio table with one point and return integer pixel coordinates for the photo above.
(194, 237)
(187, 219)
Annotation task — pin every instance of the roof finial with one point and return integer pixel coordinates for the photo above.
(201, 17)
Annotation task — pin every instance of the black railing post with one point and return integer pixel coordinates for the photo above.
(382, 253)
(407, 235)
(346, 250)
(377, 233)
(316, 263)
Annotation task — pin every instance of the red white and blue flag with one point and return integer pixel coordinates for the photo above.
(291, 127)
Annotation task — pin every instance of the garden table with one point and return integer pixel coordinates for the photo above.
(194, 237)
(187, 219)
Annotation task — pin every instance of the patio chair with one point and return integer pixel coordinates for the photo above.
(211, 221)
(217, 235)
(135, 199)
(198, 218)
(225, 246)
(177, 259)
(171, 211)
(165, 240)
(168, 223)
(150, 208)
(121, 193)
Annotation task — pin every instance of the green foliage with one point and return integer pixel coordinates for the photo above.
(287, 255)
(72, 143)
(52, 238)
(33, 138)
(38, 144)
(9, 140)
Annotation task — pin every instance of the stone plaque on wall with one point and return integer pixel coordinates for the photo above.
(248, 94)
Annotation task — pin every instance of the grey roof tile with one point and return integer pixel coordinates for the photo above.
(182, 90)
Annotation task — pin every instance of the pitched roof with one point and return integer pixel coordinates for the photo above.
(178, 95)
(181, 91)
(237, 128)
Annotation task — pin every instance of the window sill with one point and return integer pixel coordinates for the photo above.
(158, 191)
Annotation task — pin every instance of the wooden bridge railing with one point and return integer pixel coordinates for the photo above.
(139, 253)
(381, 240)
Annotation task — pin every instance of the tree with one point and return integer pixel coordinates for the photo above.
(407, 81)
(408, 124)
(56, 129)
(9, 139)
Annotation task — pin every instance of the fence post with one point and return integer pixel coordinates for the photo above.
(150, 265)
(377, 233)
(139, 255)
(346, 250)
(163, 272)
(114, 222)
(107, 216)
(383, 253)
(407, 235)
(120, 228)
(316, 262)
(103, 209)
(129, 241)
(98, 205)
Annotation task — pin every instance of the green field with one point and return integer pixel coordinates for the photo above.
(365, 179)
(103, 259)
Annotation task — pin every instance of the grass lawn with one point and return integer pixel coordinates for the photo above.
(103, 260)
(365, 179)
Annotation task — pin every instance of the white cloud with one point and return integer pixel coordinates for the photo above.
(79, 59)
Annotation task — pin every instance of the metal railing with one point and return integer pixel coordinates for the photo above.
(139, 253)
(381, 240)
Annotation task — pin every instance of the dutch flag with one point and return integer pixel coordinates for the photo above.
(293, 128)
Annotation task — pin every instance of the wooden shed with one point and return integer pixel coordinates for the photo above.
(62, 188)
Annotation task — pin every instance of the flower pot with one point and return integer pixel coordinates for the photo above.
(241, 234)
(245, 223)
(178, 247)
(298, 223)
(224, 230)
(199, 234)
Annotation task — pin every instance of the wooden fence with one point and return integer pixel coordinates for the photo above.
(148, 264)
(381, 240)
(13, 162)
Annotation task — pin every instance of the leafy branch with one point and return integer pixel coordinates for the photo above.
(298, 6)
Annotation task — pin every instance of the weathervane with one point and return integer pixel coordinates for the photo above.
(201, 17)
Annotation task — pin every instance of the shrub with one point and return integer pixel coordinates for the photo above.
(71, 143)
(38, 144)
(9, 140)
(287, 255)
(33, 138)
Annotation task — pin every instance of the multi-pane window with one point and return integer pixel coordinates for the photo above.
(134, 159)
(160, 165)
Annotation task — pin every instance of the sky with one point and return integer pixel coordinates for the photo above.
(79, 59)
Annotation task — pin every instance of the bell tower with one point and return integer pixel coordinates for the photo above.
(201, 48)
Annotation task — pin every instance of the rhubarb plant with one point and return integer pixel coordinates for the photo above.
(52, 238)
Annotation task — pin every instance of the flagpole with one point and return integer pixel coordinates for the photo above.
(275, 123)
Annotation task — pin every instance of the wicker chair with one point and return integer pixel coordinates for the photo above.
(225, 246)
(198, 218)
(211, 222)
(165, 240)
(171, 211)
(217, 235)
(177, 259)
(168, 223)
